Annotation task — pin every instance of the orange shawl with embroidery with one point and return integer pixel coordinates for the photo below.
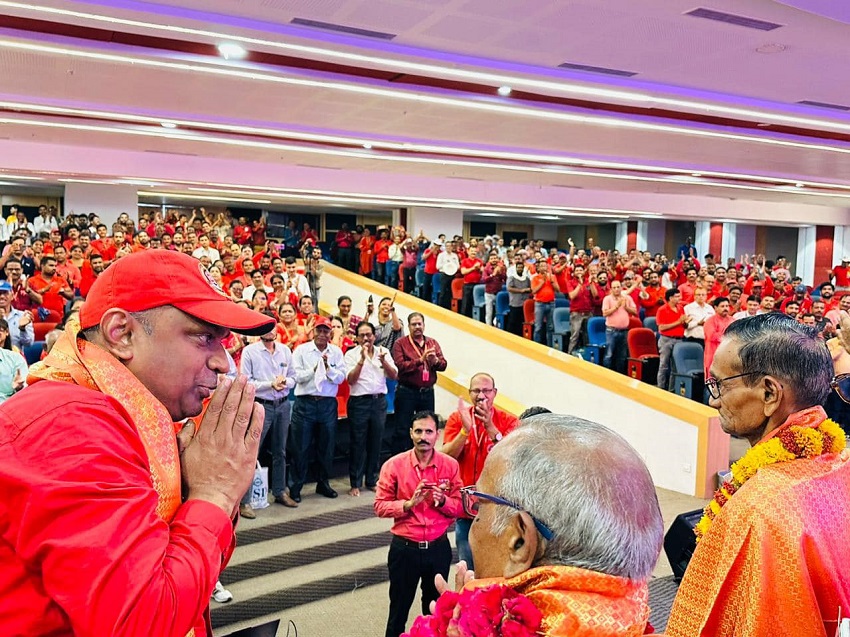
(74, 360)
(775, 559)
(579, 603)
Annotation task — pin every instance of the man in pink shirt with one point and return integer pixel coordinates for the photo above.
(617, 308)
(714, 328)
(420, 490)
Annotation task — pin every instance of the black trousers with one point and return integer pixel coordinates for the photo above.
(408, 401)
(446, 291)
(515, 319)
(466, 300)
(367, 416)
(408, 565)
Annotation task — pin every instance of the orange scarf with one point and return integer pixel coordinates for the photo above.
(576, 602)
(74, 360)
(773, 560)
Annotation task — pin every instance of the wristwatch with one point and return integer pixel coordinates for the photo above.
(498, 437)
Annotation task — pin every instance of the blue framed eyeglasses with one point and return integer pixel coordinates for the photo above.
(470, 498)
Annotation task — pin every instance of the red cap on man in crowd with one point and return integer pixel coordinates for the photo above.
(322, 321)
(155, 278)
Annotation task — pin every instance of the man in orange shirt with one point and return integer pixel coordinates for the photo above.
(471, 432)
(543, 287)
(714, 328)
(65, 268)
(52, 289)
(651, 296)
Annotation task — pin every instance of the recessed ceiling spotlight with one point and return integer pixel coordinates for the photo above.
(504, 91)
(367, 146)
(772, 47)
(168, 124)
(800, 185)
(231, 51)
(696, 174)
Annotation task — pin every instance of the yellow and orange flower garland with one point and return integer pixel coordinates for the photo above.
(790, 444)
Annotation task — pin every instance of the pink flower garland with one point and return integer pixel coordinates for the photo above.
(494, 611)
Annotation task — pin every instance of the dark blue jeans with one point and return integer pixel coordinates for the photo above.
(616, 350)
(367, 416)
(543, 312)
(313, 420)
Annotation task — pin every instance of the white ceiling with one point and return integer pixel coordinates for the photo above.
(676, 57)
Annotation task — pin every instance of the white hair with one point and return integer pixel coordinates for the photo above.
(590, 487)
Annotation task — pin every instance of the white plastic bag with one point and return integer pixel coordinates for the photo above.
(260, 488)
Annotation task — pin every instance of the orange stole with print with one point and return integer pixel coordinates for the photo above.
(775, 559)
(74, 360)
(576, 602)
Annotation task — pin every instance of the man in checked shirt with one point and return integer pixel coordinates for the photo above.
(420, 490)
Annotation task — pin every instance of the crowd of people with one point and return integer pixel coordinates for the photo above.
(216, 328)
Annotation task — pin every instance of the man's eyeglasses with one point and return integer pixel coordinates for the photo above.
(471, 499)
(841, 385)
(713, 384)
(486, 392)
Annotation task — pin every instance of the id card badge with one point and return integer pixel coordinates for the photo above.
(426, 375)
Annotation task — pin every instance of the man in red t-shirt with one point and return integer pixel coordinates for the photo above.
(89, 273)
(544, 285)
(714, 328)
(471, 432)
(841, 273)
(651, 296)
(470, 268)
(689, 286)
(53, 290)
(581, 304)
(430, 257)
(671, 320)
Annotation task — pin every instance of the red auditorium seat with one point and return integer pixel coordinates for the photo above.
(528, 317)
(457, 294)
(643, 355)
(42, 328)
(634, 322)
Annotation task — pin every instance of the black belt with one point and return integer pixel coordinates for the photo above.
(419, 545)
(272, 403)
(371, 396)
(416, 389)
(310, 397)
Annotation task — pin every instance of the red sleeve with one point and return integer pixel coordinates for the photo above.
(88, 527)
(453, 427)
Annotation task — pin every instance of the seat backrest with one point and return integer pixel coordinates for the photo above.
(687, 357)
(457, 289)
(41, 328)
(32, 352)
(528, 310)
(642, 342)
(634, 322)
(596, 330)
(478, 294)
(561, 320)
(562, 303)
(651, 323)
(502, 302)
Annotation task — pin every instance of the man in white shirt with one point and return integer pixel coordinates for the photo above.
(753, 308)
(44, 221)
(368, 367)
(448, 264)
(205, 250)
(256, 284)
(699, 311)
(293, 282)
(268, 366)
(319, 370)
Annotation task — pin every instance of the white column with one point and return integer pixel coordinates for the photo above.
(805, 263)
(702, 239)
(642, 236)
(107, 201)
(621, 242)
(730, 242)
(435, 221)
(840, 244)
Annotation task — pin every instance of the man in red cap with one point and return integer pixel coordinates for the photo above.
(319, 370)
(99, 539)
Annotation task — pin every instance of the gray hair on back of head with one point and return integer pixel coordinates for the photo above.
(590, 487)
(774, 344)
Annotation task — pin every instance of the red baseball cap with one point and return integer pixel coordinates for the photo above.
(323, 321)
(154, 278)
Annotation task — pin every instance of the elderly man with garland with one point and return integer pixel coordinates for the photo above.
(773, 542)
